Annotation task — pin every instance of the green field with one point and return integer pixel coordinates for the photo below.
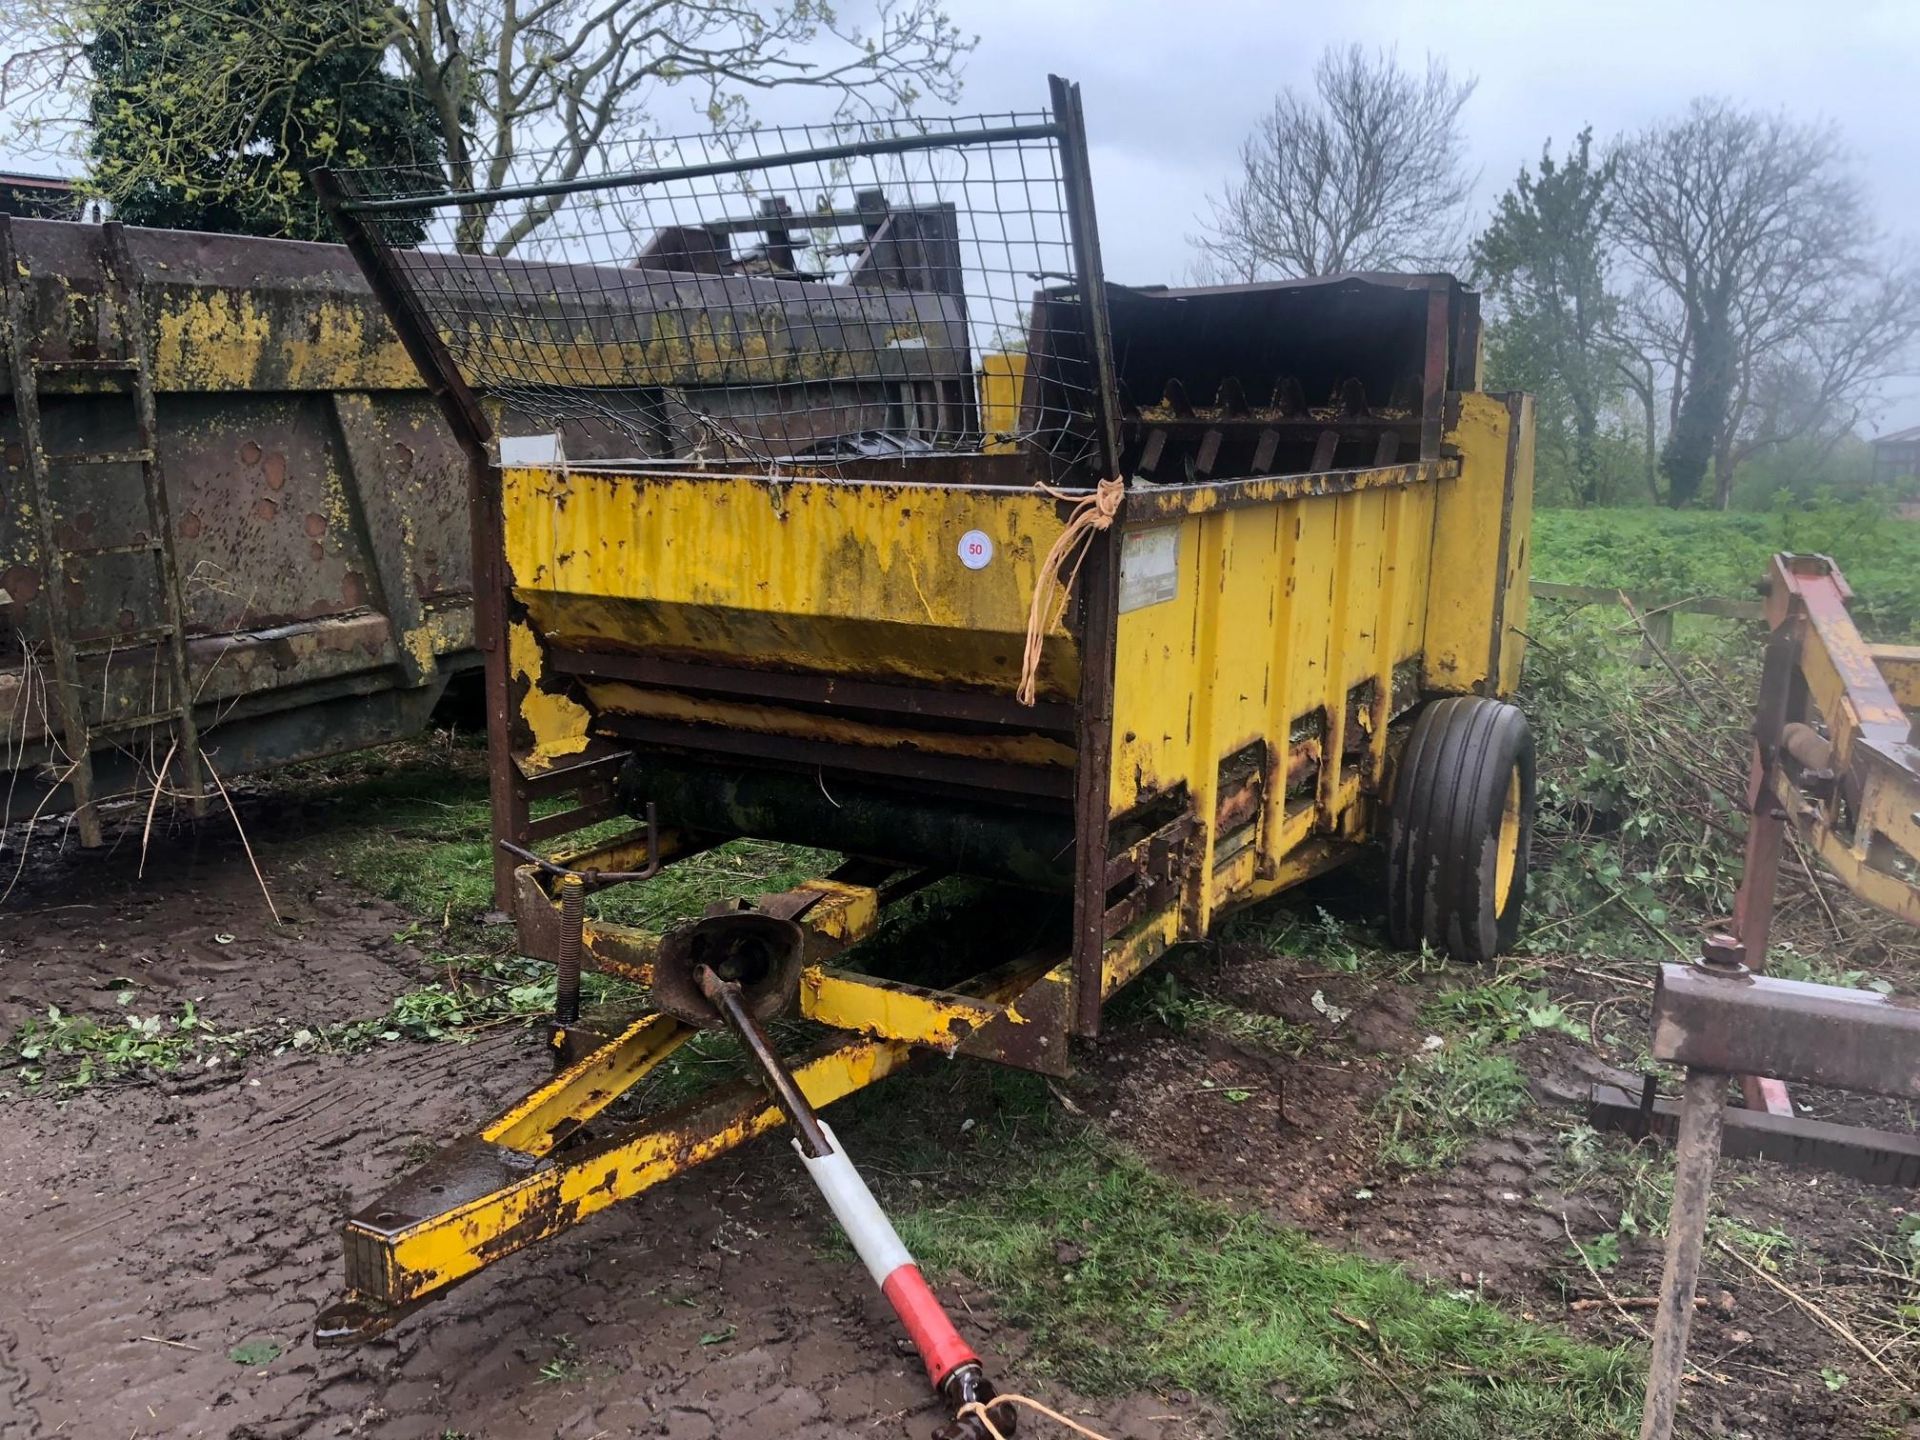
(1670, 555)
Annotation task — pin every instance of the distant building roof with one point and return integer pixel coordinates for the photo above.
(1909, 436)
(46, 196)
(15, 180)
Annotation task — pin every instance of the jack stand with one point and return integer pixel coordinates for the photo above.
(953, 1369)
(567, 1039)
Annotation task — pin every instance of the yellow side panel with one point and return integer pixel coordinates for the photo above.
(1513, 619)
(1154, 690)
(846, 578)
(1479, 551)
(1275, 614)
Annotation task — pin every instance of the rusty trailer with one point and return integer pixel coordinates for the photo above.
(1834, 762)
(238, 522)
(1143, 603)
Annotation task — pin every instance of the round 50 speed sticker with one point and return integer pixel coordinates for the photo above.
(976, 549)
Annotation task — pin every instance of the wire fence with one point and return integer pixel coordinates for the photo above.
(812, 295)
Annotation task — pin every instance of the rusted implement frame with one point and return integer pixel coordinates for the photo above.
(218, 444)
(26, 400)
(1873, 1157)
(1101, 568)
(1311, 781)
(1719, 1020)
(60, 559)
(534, 1170)
(508, 801)
(1850, 788)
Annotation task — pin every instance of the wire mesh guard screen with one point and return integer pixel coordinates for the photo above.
(804, 295)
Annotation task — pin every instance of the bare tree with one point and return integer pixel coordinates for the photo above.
(1752, 234)
(1646, 350)
(1366, 173)
(505, 75)
(529, 89)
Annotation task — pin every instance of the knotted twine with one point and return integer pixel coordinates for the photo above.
(982, 1411)
(1089, 514)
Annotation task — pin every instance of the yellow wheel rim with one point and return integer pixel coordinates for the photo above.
(1507, 856)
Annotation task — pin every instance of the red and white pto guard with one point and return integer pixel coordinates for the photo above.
(949, 1359)
(952, 1367)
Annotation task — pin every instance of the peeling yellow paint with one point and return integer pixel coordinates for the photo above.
(235, 339)
(559, 725)
(418, 643)
(851, 579)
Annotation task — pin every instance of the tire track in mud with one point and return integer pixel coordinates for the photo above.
(707, 1309)
(207, 1214)
(209, 1250)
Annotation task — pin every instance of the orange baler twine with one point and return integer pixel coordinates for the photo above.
(1090, 513)
(976, 1408)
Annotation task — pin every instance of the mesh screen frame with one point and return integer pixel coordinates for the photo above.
(933, 244)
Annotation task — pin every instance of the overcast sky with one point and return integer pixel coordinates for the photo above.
(1172, 86)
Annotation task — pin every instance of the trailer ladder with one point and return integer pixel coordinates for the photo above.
(58, 564)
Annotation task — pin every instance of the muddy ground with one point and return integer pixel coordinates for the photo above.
(152, 1232)
(149, 1231)
(1303, 1147)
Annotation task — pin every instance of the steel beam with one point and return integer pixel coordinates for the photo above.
(1810, 1034)
(1873, 1157)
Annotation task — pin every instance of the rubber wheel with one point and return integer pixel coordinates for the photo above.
(1460, 828)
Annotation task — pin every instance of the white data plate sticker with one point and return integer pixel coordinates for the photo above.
(1149, 567)
(976, 549)
(532, 450)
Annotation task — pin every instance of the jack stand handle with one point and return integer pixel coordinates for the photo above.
(953, 1369)
(599, 877)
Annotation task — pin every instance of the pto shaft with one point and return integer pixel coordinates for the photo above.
(953, 1369)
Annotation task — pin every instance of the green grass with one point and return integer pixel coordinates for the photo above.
(566, 1366)
(1167, 999)
(1675, 554)
(1444, 1100)
(417, 834)
(1127, 1280)
(687, 887)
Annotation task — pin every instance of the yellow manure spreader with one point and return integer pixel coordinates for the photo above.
(938, 551)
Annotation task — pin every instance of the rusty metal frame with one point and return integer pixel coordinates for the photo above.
(534, 1170)
(1852, 793)
(508, 803)
(1718, 1019)
(73, 720)
(167, 640)
(508, 787)
(126, 291)
(1873, 1157)
(835, 911)
(1099, 578)
(1737, 1022)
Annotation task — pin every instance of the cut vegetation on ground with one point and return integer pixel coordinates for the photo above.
(1302, 1185)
